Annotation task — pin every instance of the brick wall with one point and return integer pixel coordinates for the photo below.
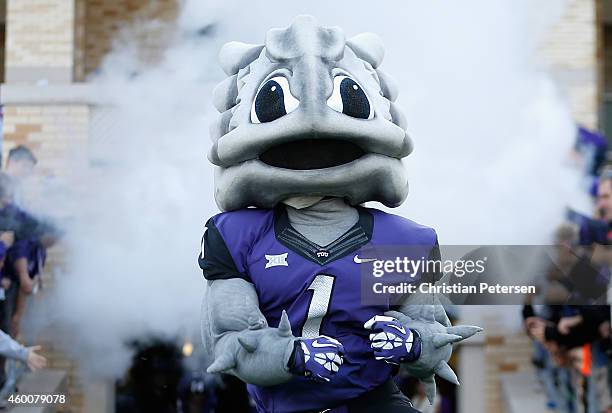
(107, 20)
(80, 20)
(39, 40)
(56, 134)
(64, 40)
(570, 53)
(505, 352)
(58, 137)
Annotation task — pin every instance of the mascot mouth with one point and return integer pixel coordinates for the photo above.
(306, 154)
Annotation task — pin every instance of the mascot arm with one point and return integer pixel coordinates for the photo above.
(237, 335)
(425, 316)
(419, 336)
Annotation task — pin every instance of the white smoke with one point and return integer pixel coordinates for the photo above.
(490, 134)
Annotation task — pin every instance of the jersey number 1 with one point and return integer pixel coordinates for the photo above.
(321, 287)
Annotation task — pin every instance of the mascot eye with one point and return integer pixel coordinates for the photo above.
(349, 98)
(273, 100)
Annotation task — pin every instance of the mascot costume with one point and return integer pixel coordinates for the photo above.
(307, 133)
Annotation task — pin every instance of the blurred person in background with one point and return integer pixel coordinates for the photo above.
(578, 341)
(20, 162)
(603, 205)
(5, 313)
(28, 355)
(23, 262)
(590, 149)
(554, 288)
(20, 166)
(152, 382)
(572, 340)
(26, 261)
(232, 396)
(25, 257)
(197, 393)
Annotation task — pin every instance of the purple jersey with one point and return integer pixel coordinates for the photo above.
(32, 251)
(319, 287)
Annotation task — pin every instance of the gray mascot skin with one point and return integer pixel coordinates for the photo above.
(307, 132)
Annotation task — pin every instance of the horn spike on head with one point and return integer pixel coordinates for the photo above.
(233, 56)
(369, 47)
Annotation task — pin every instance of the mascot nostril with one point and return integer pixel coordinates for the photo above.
(295, 162)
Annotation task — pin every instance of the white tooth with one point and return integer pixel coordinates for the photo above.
(387, 346)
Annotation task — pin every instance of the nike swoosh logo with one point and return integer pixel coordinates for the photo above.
(358, 260)
(400, 329)
(316, 344)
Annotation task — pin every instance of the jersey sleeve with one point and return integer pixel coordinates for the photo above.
(434, 274)
(28, 227)
(215, 259)
(19, 250)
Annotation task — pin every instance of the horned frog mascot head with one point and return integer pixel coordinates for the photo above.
(309, 113)
(308, 131)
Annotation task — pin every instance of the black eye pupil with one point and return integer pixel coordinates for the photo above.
(270, 102)
(354, 100)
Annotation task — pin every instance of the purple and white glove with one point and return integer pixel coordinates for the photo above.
(391, 341)
(318, 358)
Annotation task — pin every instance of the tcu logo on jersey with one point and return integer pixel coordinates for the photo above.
(277, 260)
(322, 254)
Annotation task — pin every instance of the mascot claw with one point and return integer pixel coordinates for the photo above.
(254, 350)
(436, 341)
(222, 364)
